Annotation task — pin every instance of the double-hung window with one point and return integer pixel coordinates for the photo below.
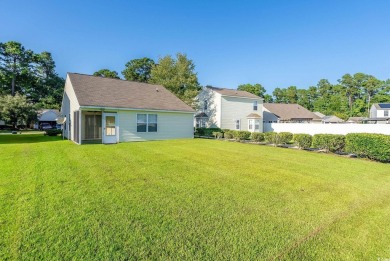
(257, 124)
(237, 124)
(146, 122)
(250, 124)
(386, 113)
(255, 105)
(205, 105)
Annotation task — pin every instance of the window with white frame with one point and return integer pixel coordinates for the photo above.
(205, 105)
(386, 113)
(237, 124)
(201, 122)
(250, 124)
(255, 105)
(146, 122)
(257, 125)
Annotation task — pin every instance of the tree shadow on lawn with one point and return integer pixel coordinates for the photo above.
(27, 138)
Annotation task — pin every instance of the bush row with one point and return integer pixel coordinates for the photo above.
(372, 146)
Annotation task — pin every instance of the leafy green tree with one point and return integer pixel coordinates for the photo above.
(371, 87)
(16, 109)
(138, 70)
(351, 88)
(48, 85)
(177, 75)
(106, 73)
(279, 95)
(15, 61)
(256, 89)
(268, 98)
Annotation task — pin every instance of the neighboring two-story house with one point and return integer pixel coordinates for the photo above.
(229, 109)
(380, 112)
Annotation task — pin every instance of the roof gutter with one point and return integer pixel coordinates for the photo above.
(130, 109)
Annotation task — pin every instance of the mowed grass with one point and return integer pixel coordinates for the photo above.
(188, 199)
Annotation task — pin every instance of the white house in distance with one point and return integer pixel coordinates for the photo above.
(288, 113)
(380, 113)
(229, 109)
(105, 110)
(48, 116)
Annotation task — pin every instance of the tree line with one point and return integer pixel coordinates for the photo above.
(353, 95)
(29, 81)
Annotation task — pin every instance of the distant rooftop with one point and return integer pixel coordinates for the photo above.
(232, 92)
(382, 105)
(290, 111)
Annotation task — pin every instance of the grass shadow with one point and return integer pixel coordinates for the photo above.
(27, 138)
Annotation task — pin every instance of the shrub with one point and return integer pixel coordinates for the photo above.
(206, 131)
(241, 135)
(271, 137)
(303, 140)
(53, 132)
(228, 134)
(372, 146)
(257, 136)
(217, 134)
(285, 137)
(329, 142)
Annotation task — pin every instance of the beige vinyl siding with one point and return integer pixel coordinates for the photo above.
(238, 108)
(170, 125)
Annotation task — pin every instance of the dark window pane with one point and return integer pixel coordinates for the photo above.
(141, 127)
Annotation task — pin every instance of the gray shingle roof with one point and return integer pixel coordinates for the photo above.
(231, 92)
(106, 92)
(290, 111)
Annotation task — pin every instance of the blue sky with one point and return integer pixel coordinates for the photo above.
(275, 43)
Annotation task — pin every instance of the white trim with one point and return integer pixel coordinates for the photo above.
(130, 109)
(80, 116)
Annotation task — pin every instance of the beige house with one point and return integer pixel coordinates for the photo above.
(229, 109)
(105, 110)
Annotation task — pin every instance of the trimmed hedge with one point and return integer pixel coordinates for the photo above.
(257, 136)
(206, 131)
(329, 142)
(242, 135)
(372, 146)
(228, 134)
(271, 137)
(303, 140)
(285, 137)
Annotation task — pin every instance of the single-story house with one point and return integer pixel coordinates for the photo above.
(283, 112)
(229, 109)
(48, 116)
(104, 110)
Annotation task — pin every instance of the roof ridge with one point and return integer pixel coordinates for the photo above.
(120, 79)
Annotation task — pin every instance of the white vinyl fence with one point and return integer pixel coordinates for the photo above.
(313, 128)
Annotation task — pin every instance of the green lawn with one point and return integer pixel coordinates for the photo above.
(188, 199)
